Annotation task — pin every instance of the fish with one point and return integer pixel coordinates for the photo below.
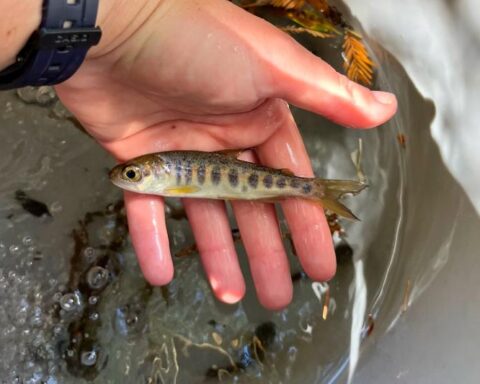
(221, 175)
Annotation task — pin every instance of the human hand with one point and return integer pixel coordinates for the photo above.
(206, 75)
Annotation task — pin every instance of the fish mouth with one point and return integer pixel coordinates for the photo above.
(112, 174)
(115, 176)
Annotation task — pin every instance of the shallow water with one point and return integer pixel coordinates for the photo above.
(74, 306)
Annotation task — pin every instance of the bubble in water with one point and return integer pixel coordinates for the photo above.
(36, 319)
(70, 302)
(3, 251)
(97, 277)
(60, 112)
(94, 316)
(88, 358)
(44, 95)
(27, 241)
(57, 296)
(15, 250)
(292, 353)
(27, 94)
(52, 380)
(92, 300)
(89, 253)
(56, 207)
(127, 320)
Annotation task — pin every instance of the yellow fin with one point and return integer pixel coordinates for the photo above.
(182, 190)
(329, 191)
(338, 208)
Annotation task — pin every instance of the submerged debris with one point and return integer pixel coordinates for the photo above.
(32, 206)
(252, 353)
(370, 324)
(93, 268)
(344, 252)
(402, 140)
(326, 304)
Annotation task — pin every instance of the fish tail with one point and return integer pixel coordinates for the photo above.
(328, 192)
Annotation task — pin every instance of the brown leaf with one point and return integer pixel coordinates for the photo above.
(357, 63)
(293, 29)
(286, 4)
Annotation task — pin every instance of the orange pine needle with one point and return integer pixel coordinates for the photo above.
(358, 65)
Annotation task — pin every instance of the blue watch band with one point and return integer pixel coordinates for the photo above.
(57, 49)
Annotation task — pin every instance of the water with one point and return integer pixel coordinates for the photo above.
(74, 306)
(92, 316)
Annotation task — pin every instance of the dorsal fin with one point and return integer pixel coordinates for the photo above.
(286, 172)
(233, 153)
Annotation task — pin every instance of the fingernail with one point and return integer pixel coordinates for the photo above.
(384, 97)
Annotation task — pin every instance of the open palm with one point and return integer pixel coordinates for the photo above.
(205, 75)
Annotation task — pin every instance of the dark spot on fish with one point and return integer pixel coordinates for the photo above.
(295, 183)
(233, 177)
(216, 175)
(244, 188)
(307, 188)
(201, 171)
(268, 181)
(188, 172)
(10, 216)
(34, 207)
(253, 180)
(173, 126)
(178, 170)
(281, 182)
(146, 172)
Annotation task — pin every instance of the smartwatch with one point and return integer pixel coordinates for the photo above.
(56, 50)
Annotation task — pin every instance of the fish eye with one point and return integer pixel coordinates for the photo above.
(132, 173)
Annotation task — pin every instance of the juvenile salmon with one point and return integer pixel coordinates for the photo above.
(220, 175)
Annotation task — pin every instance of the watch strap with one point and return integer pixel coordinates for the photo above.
(57, 49)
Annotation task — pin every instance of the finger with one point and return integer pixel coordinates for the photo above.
(312, 84)
(268, 261)
(146, 224)
(306, 220)
(289, 71)
(213, 236)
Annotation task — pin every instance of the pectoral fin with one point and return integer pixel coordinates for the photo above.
(183, 190)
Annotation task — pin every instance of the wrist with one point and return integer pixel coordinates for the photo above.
(18, 20)
(118, 20)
